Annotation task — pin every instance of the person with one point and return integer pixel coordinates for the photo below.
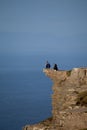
(55, 67)
(48, 65)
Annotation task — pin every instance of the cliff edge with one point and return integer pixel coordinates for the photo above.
(69, 101)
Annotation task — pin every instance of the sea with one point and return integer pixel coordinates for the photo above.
(25, 98)
(25, 91)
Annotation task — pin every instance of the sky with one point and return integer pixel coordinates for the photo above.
(44, 27)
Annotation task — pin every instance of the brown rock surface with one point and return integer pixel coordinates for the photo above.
(69, 100)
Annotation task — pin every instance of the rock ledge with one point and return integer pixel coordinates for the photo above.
(69, 101)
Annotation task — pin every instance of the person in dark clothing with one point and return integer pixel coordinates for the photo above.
(48, 65)
(55, 67)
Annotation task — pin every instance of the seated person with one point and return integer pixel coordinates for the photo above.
(55, 67)
(48, 65)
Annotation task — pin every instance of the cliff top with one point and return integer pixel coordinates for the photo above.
(74, 74)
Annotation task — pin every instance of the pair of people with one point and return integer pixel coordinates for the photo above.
(48, 66)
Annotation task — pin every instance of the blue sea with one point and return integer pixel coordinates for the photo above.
(25, 98)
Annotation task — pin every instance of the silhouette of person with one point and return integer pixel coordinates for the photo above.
(55, 67)
(48, 65)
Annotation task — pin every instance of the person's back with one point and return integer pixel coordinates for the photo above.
(47, 65)
(55, 67)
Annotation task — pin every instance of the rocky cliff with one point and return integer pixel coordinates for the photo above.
(69, 101)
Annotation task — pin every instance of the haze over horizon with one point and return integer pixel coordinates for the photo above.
(44, 28)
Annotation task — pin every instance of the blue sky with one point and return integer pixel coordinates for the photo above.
(44, 27)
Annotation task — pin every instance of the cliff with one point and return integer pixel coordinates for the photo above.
(69, 101)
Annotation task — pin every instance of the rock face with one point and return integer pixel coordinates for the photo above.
(69, 100)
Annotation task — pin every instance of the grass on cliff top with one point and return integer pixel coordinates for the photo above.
(68, 73)
(82, 99)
